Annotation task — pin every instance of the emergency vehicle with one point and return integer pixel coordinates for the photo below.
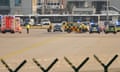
(118, 26)
(75, 27)
(17, 24)
(94, 28)
(110, 28)
(10, 24)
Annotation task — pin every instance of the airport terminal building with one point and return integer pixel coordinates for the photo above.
(58, 6)
(93, 6)
(62, 10)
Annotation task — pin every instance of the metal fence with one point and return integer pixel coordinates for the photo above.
(75, 68)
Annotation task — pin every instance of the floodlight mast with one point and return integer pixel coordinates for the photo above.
(107, 11)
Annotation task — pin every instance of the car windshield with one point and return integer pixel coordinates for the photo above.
(111, 26)
(86, 23)
(46, 24)
(57, 26)
(94, 25)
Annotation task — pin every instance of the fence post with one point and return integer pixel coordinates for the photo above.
(76, 69)
(106, 65)
(9, 69)
(48, 68)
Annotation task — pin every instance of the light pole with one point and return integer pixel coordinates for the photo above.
(43, 6)
(107, 11)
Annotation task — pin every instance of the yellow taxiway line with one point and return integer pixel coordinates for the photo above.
(35, 45)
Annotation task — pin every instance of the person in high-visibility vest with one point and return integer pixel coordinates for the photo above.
(27, 28)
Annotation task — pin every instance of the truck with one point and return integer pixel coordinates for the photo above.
(10, 24)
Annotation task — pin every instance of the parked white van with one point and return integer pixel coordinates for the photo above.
(45, 23)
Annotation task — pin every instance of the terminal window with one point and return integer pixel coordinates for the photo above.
(4, 2)
(17, 2)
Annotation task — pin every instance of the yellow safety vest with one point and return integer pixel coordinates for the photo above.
(28, 26)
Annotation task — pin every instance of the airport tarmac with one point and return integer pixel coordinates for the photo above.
(46, 47)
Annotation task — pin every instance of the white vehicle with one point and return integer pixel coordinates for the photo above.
(45, 23)
(31, 22)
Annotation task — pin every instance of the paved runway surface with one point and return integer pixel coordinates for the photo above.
(45, 47)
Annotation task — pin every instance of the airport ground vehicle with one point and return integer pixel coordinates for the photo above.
(118, 26)
(57, 28)
(110, 28)
(83, 27)
(69, 27)
(46, 24)
(10, 24)
(65, 26)
(94, 28)
(76, 27)
(32, 22)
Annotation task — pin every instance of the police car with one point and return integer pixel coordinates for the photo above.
(57, 28)
(110, 28)
(94, 28)
(118, 26)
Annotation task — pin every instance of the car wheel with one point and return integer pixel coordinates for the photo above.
(99, 32)
(90, 32)
(3, 31)
(48, 30)
(114, 32)
(106, 32)
(20, 32)
(61, 31)
(12, 31)
(69, 31)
